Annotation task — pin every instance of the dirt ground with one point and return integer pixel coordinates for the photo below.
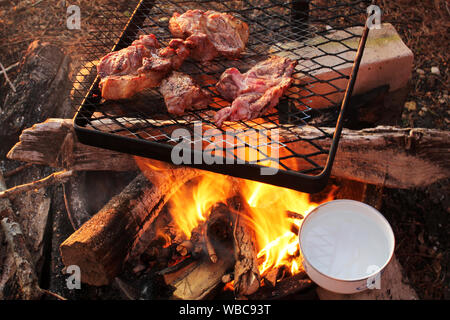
(419, 217)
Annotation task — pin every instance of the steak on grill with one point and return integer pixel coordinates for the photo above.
(211, 33)
(255, 92)
(141, 65)
(181, 93)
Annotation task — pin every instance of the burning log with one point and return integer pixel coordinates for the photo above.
(210, 249)
(246, 273)
(200, 278)
(294, 215)
(101, 245)
(185, 247)
(380, 156)
(218, 229)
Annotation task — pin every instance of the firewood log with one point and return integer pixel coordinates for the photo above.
(101, 245)
(389, 156)
(217, 229)
(54, 143)
(200, 279)
(246, 274)
(42, 87)
(19, 268)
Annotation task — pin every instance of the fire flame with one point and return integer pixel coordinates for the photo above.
(278, 244)
(276, 241)
(190, 204)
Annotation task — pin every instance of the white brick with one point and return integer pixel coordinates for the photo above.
(386, 61)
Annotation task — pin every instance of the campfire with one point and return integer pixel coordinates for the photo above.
(213, 232)
(155, 230)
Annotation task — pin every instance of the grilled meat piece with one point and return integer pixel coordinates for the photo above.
(182, 93)
(211, 33)
(141, 65)
(128, 60)
(228, 34)
(255, 92)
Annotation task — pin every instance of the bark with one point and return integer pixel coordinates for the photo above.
(54, 143)
(389, 156)
(246, 274)
(19, 273)
(102, 244)
(40, 87)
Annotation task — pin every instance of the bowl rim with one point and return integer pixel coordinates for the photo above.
(375, 211)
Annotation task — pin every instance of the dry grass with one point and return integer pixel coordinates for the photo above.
(424, 26)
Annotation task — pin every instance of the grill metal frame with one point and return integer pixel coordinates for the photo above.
(126, 128)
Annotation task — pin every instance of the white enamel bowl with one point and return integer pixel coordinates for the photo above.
(345, 246)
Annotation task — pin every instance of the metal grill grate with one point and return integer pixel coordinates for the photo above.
(323, 39)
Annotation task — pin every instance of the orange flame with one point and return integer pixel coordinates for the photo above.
(191, 204)
(277, 244)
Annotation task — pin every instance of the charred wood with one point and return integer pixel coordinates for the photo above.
(283, 288)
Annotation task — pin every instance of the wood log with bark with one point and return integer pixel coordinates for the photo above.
(246, 274)
(19, 272)
(102, 244)
(389, 156)
(202, 277)
(18, 276)
(40, 87)
(53, 143)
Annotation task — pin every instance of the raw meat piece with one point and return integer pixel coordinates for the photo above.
(141, 65)
(255, 92)
(211, 33)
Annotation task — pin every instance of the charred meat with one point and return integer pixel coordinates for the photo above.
(255, 92)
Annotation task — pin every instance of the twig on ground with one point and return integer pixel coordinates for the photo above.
(10, 67)
(55, 295)
(7, 78)
(17, 170)
(2, 182)
(54, 178)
